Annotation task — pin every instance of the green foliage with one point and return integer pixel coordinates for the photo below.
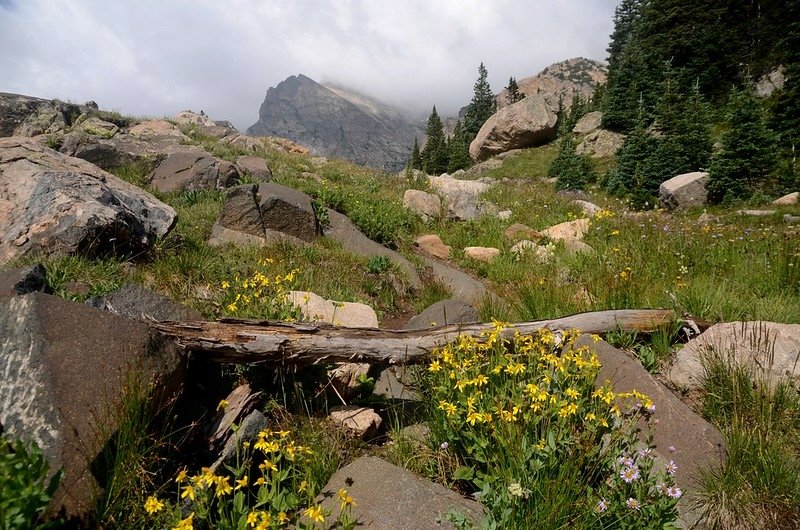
(434, 154)
(482, 105)
(416, 157)
(378, 264)
(747, 160)
(513, 91)
(541, 446)
(631, 159)
(572, 170)
(459, 150)
(259, 295)
(26, 485)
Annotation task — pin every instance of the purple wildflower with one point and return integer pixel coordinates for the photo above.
(671, 467)
(633, 504)
(630, 474)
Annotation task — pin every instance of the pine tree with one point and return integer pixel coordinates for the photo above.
(482, 104)
(458, 153)
(631, 158)
(746, 161)
(572, 170)
(786, 117)
(626, 15)
(416, 157)
(434, 154)
(513, 91)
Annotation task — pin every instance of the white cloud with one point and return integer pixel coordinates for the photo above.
(156, 57)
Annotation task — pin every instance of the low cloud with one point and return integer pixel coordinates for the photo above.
(156, 57)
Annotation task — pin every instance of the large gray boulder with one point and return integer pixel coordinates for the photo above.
(768, 350)
(288, 211)
(684, 191)
(388, 497)
(426, 205)
(191, 170)
(527, 123)
(66, 370)
(255, 166)
(53, 203)
(462, 197)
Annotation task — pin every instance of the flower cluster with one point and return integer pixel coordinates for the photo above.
(518, 409)
(260, 295)
(269, 488)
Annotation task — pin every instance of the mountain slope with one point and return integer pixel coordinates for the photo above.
(334, 121)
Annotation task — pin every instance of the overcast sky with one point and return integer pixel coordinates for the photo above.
(157, 57)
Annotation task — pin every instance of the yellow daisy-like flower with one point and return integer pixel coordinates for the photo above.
(303, 486)
(252, 518)
(241, 483)
(283, 518)
(181, 476)
(188, 491)
(223, 487)
(223, 404)
(315, 514)
(435, 366)
(186, 524)
(267, 465)
(153, 505)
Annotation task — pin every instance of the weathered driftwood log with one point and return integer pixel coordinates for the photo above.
(254, 341)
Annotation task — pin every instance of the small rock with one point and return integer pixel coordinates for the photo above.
(426, 205)
(359, 422)
(389, 497)
(517, 232)
(505, 215)
(791, 219)
(347, 377)
(575, 246)
(756, 213)
(590, 122)
(684, 191)
(788, 199)
(600, 144)
(569, 230)
(589, 208)
(140, 303)
(150, 128)
(432, 244)
(24, 280)
(345, 314)
(248, 430)
(255, 166)
(484, 254)
(318, 161)
(706, 218)
(397, 382)
(443, 313)
(98, 127)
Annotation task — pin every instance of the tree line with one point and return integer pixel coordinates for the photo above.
(447, 154)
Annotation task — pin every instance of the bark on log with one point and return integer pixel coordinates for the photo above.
(254, 341)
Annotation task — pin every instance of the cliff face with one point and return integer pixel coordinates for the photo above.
(333, 121)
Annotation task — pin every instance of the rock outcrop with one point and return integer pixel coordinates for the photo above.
(28, 116)
(193, 170)
(66, 368)
(333, 121)
(53, 203)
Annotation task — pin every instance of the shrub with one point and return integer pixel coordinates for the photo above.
(259, 296)
(541, 446)
(25, 489)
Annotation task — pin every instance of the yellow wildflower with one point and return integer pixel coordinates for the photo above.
(303, 486)
(315, 514)
(188, 491)
(241, 483)
(435, 366)
(153, 505)
(186, 524)
(223, 404)
(223, 487)
(181, 476)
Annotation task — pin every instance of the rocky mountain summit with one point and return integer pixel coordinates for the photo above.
(576, 76)
(335, 121)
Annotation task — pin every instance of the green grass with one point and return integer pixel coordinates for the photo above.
(757, 486)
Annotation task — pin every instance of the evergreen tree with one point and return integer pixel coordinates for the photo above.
(434, 154)
(513, 91)
(572, 170)
(746, 160)
(482, 105)
(631, 158)
(416, 157)
(626, 15)
(786, 116)
(458, 153)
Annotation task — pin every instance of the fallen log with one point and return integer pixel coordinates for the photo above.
(258, 341)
